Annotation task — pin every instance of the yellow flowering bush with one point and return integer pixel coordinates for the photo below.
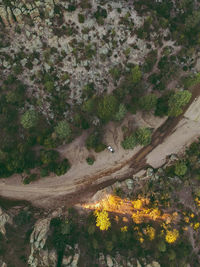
(137, 204)
(150, 231)
(102, 220)
(124, 229)
(186, 219)
(171, 236)
(197, 201)
(196, 225)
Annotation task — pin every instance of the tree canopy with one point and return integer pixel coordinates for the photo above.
(63, 130)
(143, 136)
(177, 101)
(148, 102)
(107, 107)
(29, 119)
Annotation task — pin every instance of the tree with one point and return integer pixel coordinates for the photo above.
(161, 246)
(49, 85)
(62, 167)
(89, 105)
(63, 130)
(93, 140)
(180, 169)
(29, 119)
(48, 156)
(102, 220)
(107, 107)
(148, 102)
(136, 74)
(121, 112)
(143, 136)
(177, 101)
(130, 142)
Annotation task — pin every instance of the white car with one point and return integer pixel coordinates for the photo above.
(110, 149)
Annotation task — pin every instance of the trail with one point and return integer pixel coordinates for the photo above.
(87, 185)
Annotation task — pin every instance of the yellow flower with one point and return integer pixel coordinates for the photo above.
(102, 221)
(124, 229)
(150, 231)
(141, 239)
(192, 215)
(171, 236)
(196, 226)
(186, 219)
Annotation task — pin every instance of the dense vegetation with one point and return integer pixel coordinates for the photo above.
(30, 137)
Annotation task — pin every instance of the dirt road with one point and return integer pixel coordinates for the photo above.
(70, 191)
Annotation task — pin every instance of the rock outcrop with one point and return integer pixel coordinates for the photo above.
(4, 218)
(22, 11)
(71, 260)
(41, 257)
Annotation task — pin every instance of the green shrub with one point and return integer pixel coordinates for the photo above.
(62, 167)
(99, 148)
(91, 229)
(49, 86)
(120, 113)
(71, 8)
(136, 75)
(148, 102)
(129, 142)
(191, 80)
(44, 172)
(93, 140)
(48, 156)
(29, 119)
(116, 73)
(161, 246)
(143, 136)
(162, 105)
(90, 160)
(101, 13)
(22, 218)
(66, 227)
(171, 255)
(63, 130)
(180, 168)
(28, 179)
(107, 107)
(177, 101)
(81, 18)
(89, 105)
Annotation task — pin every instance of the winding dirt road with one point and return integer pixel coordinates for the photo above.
(67, 193)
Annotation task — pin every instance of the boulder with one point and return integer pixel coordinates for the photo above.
(102, 262)
(4, 218)
(150, 172)
(39, 235)
(153, 264)
(76, 257)
(129, 183)
(173, 157)
(109, 261)
(3, 264)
